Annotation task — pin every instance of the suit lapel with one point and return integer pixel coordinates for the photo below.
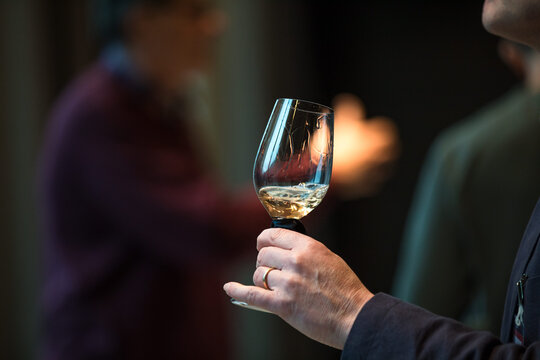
(528, 242)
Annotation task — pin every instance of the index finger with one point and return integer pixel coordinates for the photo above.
(279, 237)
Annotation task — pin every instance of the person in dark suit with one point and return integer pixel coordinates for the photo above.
(316, 292)
(470, 208)
(136, 226)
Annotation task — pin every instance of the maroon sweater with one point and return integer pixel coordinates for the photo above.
(135, 232)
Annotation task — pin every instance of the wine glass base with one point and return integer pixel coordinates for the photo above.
(291, 224)
(247, 306)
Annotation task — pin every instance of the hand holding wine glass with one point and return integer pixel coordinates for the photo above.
(314, 290)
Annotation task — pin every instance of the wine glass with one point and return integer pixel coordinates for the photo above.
(294, 162)
(292, 169)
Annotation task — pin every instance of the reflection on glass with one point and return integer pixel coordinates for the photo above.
(294, 162)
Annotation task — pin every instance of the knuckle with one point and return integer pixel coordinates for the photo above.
(260, 256)
(264, 234)
(296, 260)
(293, 262)
(290, 284)
(251, 296)
(287, 284)
(276, 233)
(314, 246)
(256, 276)
(268, 236)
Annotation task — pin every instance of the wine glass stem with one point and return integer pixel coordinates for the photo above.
(291, 224)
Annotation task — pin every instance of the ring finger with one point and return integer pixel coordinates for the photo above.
(266, 277)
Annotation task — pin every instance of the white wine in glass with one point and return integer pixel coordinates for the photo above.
(291, 202)
(294, 163)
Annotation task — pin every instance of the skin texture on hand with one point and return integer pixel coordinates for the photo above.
(312, 288)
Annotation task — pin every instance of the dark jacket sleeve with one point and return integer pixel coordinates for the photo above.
(388, 328)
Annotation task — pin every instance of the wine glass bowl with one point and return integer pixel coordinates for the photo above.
(294, 162)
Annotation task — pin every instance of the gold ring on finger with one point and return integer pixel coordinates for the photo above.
(265, 278)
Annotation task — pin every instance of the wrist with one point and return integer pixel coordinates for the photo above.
(355, 305)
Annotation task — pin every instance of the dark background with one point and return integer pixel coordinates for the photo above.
(424, 64)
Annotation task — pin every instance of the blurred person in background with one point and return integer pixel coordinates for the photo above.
(135, 224)
(136, 227)
(476, 192)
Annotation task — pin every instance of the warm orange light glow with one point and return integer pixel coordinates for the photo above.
(364, 149)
